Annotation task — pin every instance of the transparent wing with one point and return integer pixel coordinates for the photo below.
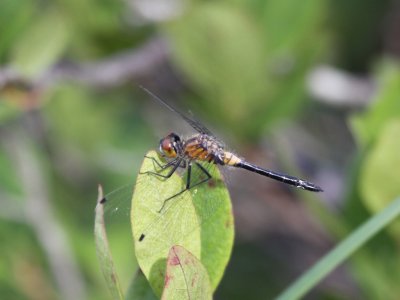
(118, 202)
(192, 122)
(177, 208)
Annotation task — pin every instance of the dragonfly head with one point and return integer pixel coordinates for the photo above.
(170, 145)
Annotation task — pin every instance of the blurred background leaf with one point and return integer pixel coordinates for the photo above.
(254, 64)
(42, 45)
(386, 106)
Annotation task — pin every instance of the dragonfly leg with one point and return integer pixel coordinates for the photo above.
(175, 163)
(205, 172)
(188, 182)
(162, 167)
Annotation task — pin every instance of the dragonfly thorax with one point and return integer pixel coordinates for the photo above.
(201, 147)
(204, 147)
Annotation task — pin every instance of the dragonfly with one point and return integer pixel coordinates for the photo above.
(205, 147)
(197, 154)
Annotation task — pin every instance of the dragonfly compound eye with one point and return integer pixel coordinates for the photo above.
(167, 147)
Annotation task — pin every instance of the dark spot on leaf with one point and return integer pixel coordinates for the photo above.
(174, 261)
(194, 281)
(211, 183)
(141, 238)
(228, 223)
(167, 279)
(113, 278)
(103, 200)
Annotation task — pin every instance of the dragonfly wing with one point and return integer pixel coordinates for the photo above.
(191, 121)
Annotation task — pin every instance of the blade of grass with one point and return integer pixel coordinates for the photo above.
(103, 250)
(341, 252)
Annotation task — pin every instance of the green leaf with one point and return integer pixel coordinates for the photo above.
(103, 250)
(200, 220)
(140, 289)
(14, 17)
(218, 46)
(379, 182)
(385, 105)
(248, 74)
(186, 277)
(341, 252)
(284, 36)
(221, 49)
(42, 44)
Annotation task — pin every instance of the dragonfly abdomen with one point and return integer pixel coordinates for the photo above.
(280, 177)
(231, 159)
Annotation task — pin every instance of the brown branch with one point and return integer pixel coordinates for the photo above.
(107, 73)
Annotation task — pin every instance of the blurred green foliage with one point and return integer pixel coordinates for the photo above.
(376, 185)
(250, 62)
(243, 64)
